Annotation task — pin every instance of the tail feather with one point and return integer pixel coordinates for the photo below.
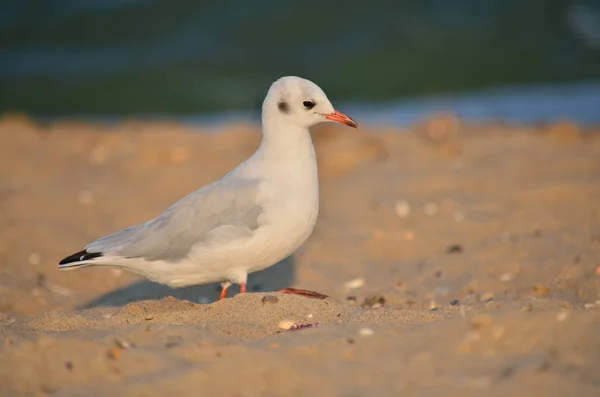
(81, 258)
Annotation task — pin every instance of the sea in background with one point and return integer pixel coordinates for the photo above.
(383, 62)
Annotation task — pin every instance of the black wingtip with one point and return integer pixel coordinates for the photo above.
(80, 256)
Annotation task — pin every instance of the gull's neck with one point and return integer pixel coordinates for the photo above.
(285, 150)
(282, 139)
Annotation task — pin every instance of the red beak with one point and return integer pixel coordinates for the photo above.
(341, 118)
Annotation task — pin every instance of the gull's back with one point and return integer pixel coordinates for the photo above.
(194, 220)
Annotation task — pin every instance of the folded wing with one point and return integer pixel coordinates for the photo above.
(218, 213)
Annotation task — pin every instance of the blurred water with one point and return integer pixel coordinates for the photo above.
(579, 102)
(148, 57)
(533, 104)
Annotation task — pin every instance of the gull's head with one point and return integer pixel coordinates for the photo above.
(301, 102)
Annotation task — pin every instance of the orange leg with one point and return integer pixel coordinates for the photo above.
(223, 293)
(224, 288)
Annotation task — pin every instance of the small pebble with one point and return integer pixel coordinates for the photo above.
(85, 197)
(351, 298)
(366, 332)
(506, 277)
(455, 302)
(589, 306)
(562, 316)
(459, 216)
(487, 297)
(114, 353)
(122, 344)
(541, 289)
(374, 302)
(34, 259)
(430, 209)
(269, 299)
(454, 249)
(309, 315)
(402, 208)
(355, 283)
(69, 365)
(296, 326)
(409, 235)
(433, 306)
(286, 324)
(99, 155)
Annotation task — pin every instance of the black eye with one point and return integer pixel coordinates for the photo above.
(308, 104)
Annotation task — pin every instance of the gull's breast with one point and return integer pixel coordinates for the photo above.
(286, 224)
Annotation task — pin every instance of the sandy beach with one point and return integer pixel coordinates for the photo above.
(459, 259)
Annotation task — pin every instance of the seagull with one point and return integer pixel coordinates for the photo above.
(253, 217)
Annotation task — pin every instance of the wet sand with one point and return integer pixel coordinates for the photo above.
(460, 259)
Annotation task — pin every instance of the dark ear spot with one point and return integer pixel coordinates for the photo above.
(283, 106)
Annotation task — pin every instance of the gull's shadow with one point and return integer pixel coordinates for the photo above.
(276, 277)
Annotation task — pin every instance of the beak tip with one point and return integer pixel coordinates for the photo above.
(341, 118)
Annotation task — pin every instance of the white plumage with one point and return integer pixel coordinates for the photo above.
(256, 215)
